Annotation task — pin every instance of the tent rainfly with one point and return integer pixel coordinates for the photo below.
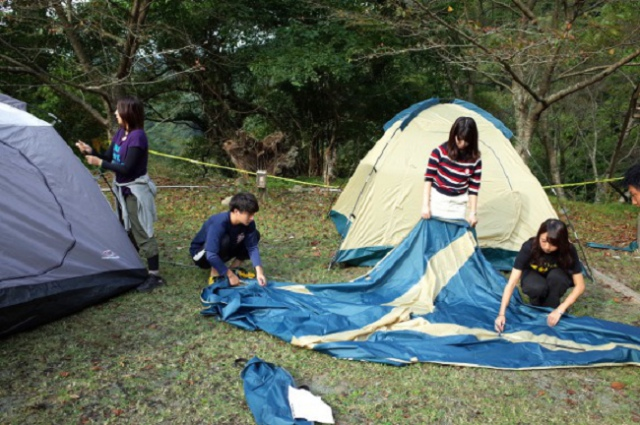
(381, 202)
(62, 247)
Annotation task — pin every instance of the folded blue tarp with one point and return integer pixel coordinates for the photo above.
(266, 389)
(434, 298)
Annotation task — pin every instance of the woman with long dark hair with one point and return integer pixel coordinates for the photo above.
(452, 178)
(127, 157)
(546, 267)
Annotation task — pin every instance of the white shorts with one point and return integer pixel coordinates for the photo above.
(448, 207)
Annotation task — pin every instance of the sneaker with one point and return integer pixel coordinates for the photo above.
(153, 281)
(215, 279)
(242, 273)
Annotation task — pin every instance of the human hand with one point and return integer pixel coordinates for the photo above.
(499, 323)
(83, 147)
(234, 280)
(554, 317)
(426, 213)
(472, 220)
(260, 277)
(93, 160)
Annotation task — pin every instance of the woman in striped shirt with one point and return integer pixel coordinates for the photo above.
(454, 171)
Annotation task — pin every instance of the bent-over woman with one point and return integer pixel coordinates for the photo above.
(546, 267)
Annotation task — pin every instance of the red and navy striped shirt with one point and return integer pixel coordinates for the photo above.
(451, 177)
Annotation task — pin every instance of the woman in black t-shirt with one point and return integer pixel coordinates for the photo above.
(547, 266)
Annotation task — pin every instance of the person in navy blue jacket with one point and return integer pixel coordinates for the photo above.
(632, 182)
(230, 235)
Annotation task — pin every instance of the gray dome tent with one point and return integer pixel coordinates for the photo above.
(62, 247)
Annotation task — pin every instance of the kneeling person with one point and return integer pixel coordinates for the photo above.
(546, 266)
(228, 235)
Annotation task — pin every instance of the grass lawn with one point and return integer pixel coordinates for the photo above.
(153, 359)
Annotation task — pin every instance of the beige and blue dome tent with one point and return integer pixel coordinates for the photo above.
(381, 202)
(62, 247)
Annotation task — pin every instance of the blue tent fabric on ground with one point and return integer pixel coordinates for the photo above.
(432, 299)
(633, 246)
(266, 389)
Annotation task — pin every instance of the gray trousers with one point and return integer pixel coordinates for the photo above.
(148, 245)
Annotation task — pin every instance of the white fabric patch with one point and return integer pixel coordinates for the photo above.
(305, 405)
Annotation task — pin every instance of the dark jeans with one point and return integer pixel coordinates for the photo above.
(546, 291)
(227, 251)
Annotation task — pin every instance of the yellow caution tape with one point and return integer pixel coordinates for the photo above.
(206, 164)
(583, 183)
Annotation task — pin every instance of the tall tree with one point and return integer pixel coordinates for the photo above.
(89, 52)
(311, 77)
(540, 51)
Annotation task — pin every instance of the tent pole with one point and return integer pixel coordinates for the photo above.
(373, 169)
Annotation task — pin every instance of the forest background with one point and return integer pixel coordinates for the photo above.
(316, 80)
(312, 82)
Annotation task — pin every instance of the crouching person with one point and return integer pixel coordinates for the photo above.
(546, 267)
(229, 235)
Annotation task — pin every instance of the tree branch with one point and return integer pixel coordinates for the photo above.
(589, 81)
(73, 38)
(507, 67)
(526, 11)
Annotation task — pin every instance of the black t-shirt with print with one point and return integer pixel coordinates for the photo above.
(524, 260)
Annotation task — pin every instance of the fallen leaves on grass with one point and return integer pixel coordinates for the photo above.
(571, 402)
(617, 385)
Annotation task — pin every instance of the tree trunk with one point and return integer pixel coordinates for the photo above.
(552, 158)
(315, 161)
(601, 189)
(470, 87)
(330, 159)
(525, 125)
(629, 117)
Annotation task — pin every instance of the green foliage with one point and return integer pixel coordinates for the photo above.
(313, 79)
(328, 74)
(171, 138)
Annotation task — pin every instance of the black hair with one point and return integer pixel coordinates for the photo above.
(558, 236)
(131, 112)
(244, 202)
(464, 128)
(632, 177)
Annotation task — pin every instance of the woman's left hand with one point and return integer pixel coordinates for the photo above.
(499, 323)
(472, 220)
(94, 160)
(554, 317)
